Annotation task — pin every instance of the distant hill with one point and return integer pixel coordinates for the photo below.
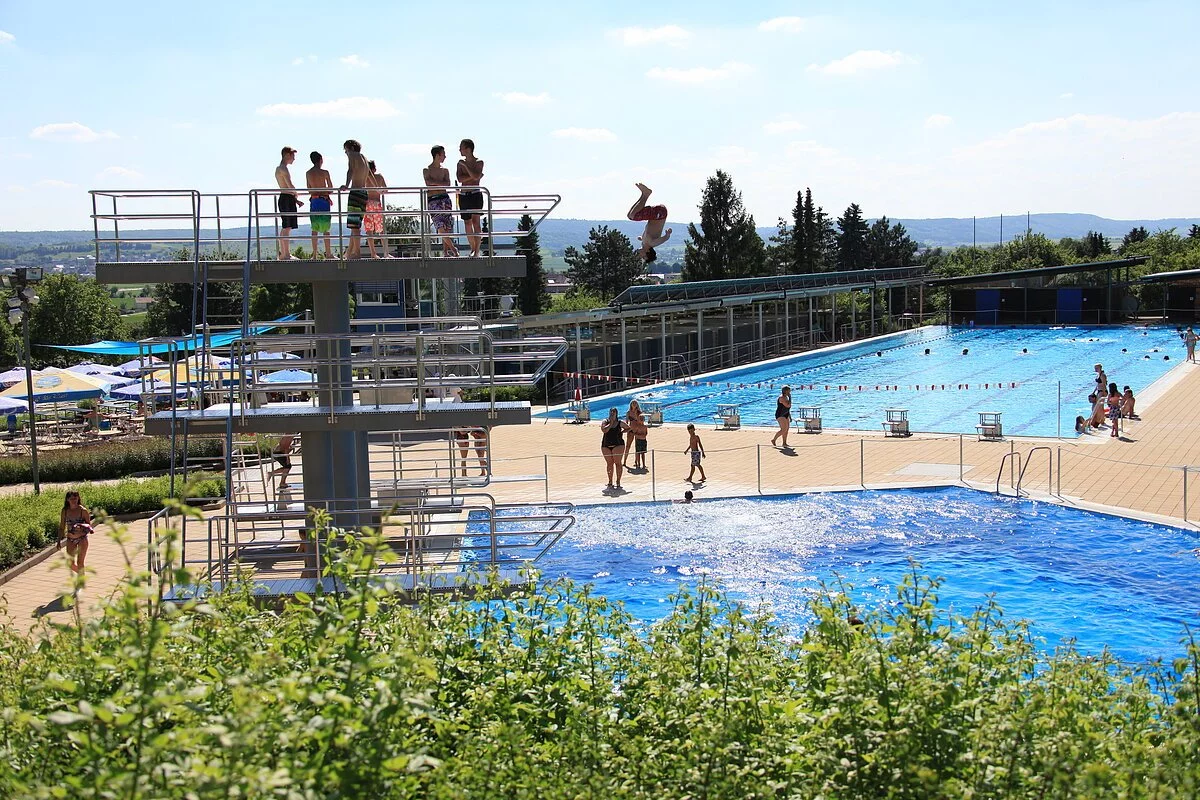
(558, 234)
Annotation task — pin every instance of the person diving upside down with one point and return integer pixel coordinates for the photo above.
(654, 217)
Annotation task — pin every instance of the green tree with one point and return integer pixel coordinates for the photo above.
(809, 242)
(274, 300)
(726, 245)
(532, 296)
(1194, 232)
(781, 251)
(889, 245)
(170, 313)
(1094, 245)
(852, 240)
(1135, 236)
(606, 266)
(71, 311)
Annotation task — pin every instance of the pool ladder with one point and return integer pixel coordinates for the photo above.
(1016, 466)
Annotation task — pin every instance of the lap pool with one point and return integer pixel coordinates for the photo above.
(842, 380)
(1104, 581)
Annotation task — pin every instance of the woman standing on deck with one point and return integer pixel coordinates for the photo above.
(75, 525)
(612, 445)
(783, 415)
(631, 417)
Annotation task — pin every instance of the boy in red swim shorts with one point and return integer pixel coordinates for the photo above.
(654, 217)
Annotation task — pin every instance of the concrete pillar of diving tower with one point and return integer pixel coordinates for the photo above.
(333, 475)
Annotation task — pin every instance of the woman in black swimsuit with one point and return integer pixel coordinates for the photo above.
(783, 414)
(74, 525)
(613, 445)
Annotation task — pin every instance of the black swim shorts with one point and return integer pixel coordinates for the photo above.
(287, 211)
(470, 201)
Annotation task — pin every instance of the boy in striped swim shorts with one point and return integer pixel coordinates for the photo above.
(359, 180)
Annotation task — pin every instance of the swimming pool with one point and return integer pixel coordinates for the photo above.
(843, 380)
(1106, 581)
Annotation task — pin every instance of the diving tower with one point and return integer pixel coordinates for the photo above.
(354, 380)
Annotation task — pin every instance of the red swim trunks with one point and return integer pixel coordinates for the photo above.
(650, 213)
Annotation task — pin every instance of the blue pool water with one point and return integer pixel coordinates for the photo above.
(1099, 579)
(1131, 356)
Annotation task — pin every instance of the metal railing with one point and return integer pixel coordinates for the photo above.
(429, 356)
(230, 225)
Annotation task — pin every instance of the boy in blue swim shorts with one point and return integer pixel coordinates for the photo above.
(319, 202)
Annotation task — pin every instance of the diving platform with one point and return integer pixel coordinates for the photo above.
(303, 270)
(301, 417)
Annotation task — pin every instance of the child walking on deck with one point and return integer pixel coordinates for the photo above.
(696, 448)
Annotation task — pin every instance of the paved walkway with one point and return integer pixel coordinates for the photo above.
(1140, 471)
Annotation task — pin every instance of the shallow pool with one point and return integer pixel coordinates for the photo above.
(854, 385)
(1105, 581)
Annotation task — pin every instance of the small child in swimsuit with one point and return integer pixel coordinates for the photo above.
(640, 444)
(696, 448)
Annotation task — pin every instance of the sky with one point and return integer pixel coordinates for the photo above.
(913, 109)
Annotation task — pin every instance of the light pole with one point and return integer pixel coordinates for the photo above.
(20, 307)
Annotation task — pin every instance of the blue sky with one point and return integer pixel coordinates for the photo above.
(912, 109)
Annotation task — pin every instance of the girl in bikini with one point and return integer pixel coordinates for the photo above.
(612, 445)
(631, 418)
(373, 220)
(75, 525)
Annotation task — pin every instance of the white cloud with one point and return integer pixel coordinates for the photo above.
(733, 155)
(118, 173)
(783, 126)
(783, 25)
(69, 132)
(342, 108)
(300, 60)
(354, 60)
(585, 134)
(697, 76)
(1066, 95)
(412, 149)
(667, 34)
(935, 121)
(522, 99)
(183, 126)
(6, 37)
(807, 147)
(14, 187)
(51, 183)
(863, 61)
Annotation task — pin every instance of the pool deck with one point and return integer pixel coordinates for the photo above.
(1141, 472)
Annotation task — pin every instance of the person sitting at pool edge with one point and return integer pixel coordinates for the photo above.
(1096, 420)
(654, 217)
(1127, 404)
(1081, 425)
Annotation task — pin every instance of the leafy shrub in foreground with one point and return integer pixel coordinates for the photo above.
(559, 694)
(29, 522)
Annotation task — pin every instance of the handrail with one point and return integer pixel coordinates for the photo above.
(1003, 461)
(156, 207)
(1050, 466)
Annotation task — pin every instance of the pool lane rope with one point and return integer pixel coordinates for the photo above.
(828, 387)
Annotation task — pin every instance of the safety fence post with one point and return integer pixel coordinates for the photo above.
(960, 458)
(1060, 471)
(1185, 472)
(759, 453)
(653, 474)
(546, 475)
(862, 463)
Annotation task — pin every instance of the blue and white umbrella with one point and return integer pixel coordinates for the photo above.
(288, 376)
(11, 376)
(92, 368)
(11, 404)
(135, 391)
(135, 366)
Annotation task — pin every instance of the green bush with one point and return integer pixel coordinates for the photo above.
(560, 694)
(29, 522)
(107, 460)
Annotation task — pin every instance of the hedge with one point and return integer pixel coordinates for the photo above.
(560, 694)
(106, 460)
(29, 522)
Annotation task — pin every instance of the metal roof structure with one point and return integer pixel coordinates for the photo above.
(1020, 274)
(774, 284)
(1167, 277)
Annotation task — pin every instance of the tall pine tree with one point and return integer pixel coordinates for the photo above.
(852, 240)
(532, 295)
(726, 245)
